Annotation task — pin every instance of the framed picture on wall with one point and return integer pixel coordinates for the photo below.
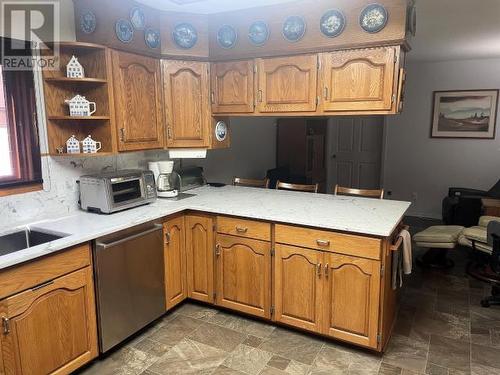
(465, 114)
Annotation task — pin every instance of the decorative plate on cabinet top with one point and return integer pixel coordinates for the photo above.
(332, 23)
(185, 35)
(137, 18)
(88, 22)
(124, 30)
(221, 131)
(373, 18)
(152, 38)
(411, 19)
(294, 28)
(258, 33)
(227, 37)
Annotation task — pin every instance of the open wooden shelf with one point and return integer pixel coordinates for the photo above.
(76, 80)
(78, 118)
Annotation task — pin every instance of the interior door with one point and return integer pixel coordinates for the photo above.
(187, 103)
(298, 287)
(354, 155)
(352, 299)
(200, 257)
(175, 261)
(233, 87)
(136, 88)
(244, 275)
(358, 80)
(287, 84)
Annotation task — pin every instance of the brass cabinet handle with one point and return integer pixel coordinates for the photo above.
(169, 132)
(326, 270)
(323, 243)
(167, 238)
(5, 325)
(260, 96)
(326, 93)
(241, 229)
(318, 268)
(212, 97)
(217, 250)
(122, 134)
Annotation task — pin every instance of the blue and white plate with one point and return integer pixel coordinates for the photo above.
(258, 33)
(88, 22)
(185, 35)
(152, 38)
(332, 23)
(227, 37)
(294, 28)
(137, 18)
(373, 18)
(124, 30)
(221, 131)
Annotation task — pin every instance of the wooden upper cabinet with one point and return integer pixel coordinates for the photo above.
(352, 299)
(200, 247)
(232, 87)
(187, 104)
(137, 97)
(358, 80)
(298, 287)
(175, 261)
(287, 84)
(244, 275)
(50, 329)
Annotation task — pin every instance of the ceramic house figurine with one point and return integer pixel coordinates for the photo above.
(90, 146)
(73, 145)
(79, 106)
(74, 69)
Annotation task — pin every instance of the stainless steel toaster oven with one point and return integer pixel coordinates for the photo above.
(115, 191)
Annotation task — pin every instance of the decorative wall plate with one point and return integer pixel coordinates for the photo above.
(124, 30)
(152, 38)
(137, 18)
(411, 19)
(221, 131)
(373, 18)
(185, 35)
(227, 36)
(332, 23)
(294, 28)
(88, 22)
(258, 33)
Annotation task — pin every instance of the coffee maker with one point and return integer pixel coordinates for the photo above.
(164, 177)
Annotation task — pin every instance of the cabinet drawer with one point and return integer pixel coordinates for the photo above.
(18, 278)
(365, 247)
(244, 228)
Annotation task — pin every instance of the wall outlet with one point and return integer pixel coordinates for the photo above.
(389, 193)
(414, 196)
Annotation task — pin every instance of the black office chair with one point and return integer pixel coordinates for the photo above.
(494, 265)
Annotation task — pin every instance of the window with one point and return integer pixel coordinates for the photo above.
(20, 163)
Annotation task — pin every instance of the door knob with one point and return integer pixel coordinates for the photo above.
(334, 156)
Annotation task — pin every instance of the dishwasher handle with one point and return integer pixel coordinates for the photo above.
(103, 245)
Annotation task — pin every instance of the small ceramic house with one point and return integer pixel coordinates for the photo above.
(73, 145)
(74, 69)
(79, 106)
(90, 146)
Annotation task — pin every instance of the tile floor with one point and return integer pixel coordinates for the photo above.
(441, 330)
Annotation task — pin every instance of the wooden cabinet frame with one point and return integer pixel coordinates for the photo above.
(175, 261)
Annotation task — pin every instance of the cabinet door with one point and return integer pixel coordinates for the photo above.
(298, 286)
(187, 103)
(137, 96)
(244, 275)
(50, 329)
(352, 299)
(232, 87)
(175, 261)
(200, 257)
(287, 84)
(358, 80)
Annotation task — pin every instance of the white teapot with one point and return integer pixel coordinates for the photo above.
(90, 146)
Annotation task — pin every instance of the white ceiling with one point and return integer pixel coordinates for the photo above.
(446, 29)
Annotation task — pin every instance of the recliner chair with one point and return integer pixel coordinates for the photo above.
(463, 206)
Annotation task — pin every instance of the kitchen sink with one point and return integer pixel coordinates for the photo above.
(23, 239)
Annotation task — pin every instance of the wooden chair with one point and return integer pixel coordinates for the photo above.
(297, 187)
(377, 193)
(250, 182)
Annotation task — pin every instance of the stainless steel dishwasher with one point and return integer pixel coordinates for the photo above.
(130, 282)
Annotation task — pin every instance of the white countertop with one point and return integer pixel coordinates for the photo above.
(373, 217)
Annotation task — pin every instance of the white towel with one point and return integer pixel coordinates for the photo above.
(407, 251)
(401, 260)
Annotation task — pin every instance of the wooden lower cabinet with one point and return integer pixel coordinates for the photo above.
(243, 274)
(298, 287)
(352, 299)
(51, 328)
(200, 247)
(175, 261)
